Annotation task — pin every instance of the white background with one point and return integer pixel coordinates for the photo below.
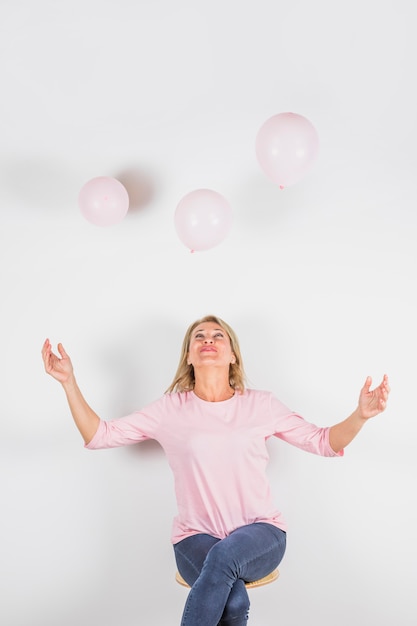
(318, 280)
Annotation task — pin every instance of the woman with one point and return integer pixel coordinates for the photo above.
(213, 430)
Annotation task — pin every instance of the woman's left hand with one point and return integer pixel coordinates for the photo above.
(373, 402)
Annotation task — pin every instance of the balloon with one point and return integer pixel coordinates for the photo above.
(203, 218)
(103, 201)
(286, 147)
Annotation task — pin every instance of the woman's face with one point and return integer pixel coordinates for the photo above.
(210, 345)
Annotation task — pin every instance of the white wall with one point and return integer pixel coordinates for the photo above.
(318, 280)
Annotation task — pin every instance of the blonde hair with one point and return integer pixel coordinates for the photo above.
(184, 379)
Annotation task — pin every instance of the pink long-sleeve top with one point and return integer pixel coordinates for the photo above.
(218, 455)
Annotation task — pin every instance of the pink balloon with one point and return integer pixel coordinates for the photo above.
(286, 147)
(203, 218)
(103, 201)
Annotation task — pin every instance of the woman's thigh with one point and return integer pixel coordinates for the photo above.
(190, 554)
(251, 551)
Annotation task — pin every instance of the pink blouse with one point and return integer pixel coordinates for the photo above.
(217, 454)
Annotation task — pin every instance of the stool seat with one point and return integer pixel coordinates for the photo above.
(249, 585)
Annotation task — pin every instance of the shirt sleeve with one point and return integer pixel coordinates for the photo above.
(129, 430)
(294, 429)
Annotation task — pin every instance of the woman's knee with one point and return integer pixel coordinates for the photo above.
(221, 561)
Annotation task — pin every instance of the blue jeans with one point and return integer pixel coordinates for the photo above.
(216, 570)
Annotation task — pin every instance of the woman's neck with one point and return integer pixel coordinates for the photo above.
(213, 392)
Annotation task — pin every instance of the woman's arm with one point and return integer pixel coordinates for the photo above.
(370, 404)
(60, 368)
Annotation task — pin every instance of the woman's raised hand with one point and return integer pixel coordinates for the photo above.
(59, 367)
(372, 402)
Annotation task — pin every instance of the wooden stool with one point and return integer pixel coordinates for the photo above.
(255, 583)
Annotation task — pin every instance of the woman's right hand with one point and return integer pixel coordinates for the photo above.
(59, 367)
